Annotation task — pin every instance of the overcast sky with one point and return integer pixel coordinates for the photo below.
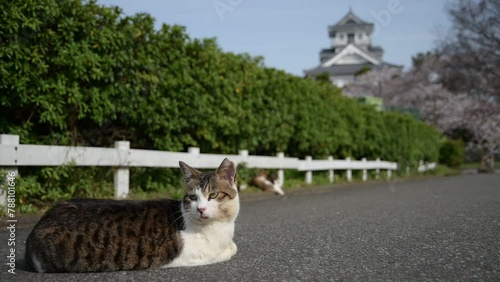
(290, 33)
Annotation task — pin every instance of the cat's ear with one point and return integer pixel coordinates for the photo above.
(227, 171)
(188, 171)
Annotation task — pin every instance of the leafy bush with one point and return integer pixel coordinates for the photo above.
(38, 186)
(78, 73)
(452, 153)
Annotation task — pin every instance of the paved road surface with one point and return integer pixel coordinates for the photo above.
(437, 229)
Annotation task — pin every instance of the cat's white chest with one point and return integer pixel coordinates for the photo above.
(205, 245)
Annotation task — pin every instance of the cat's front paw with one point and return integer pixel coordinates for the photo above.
(234, 248)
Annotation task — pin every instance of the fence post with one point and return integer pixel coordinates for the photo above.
(281, 171)
(243, 159)
(377, 170)
(195, 151)
(365, 172)
(389, 173)
(421, 168)
(243, 154)
(7, 139)
(121, 177)
(332, 172)
(309, 174)
(349, 171)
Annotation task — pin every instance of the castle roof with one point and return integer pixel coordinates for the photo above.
(350, 22)
(346, 69)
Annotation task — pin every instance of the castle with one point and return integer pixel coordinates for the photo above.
(351, 51)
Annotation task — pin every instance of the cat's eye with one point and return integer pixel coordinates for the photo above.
(192, 197)
(213, 195)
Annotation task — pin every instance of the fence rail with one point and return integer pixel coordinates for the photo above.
(13, 155)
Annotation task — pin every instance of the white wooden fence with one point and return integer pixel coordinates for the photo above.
(13, 155)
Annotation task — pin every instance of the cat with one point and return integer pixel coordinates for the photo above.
(90, 235)
(267, 185)
(258, 178)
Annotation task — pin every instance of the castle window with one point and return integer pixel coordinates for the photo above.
(350, 38)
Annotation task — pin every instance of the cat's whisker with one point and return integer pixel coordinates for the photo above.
(176, 219)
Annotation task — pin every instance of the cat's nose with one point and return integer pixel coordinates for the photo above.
(201, 210)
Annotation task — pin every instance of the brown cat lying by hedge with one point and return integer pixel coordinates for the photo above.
(86, 235)
(260, 178)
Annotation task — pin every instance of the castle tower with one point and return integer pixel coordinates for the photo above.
(351, 51)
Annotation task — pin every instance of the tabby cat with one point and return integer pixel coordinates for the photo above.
(88, 235)
(267, 185)
(260, 178)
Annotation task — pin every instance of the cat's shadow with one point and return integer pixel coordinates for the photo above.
(22, 265)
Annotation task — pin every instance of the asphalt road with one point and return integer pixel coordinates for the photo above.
(445, 229)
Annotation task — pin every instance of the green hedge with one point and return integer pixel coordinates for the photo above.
(452, 153)
(77, 73)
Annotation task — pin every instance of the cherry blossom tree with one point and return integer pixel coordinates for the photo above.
(472, 48)
(479, 115)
